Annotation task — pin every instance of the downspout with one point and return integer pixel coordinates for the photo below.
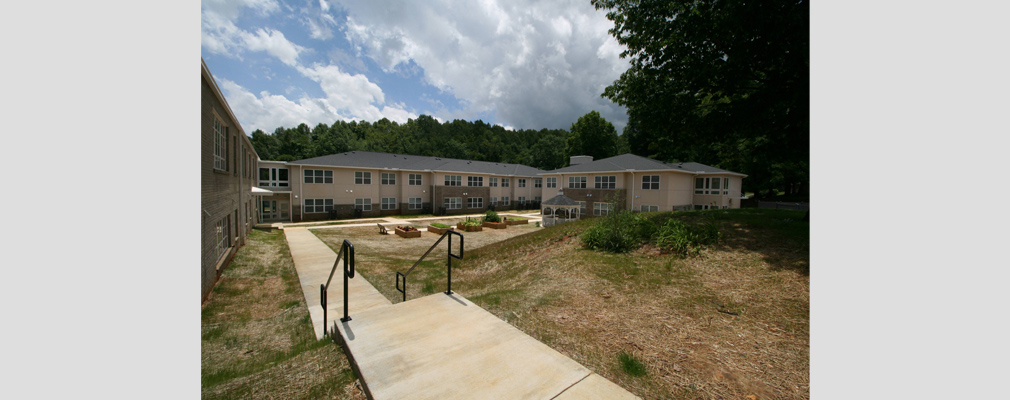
(301, 184)
(632, 190)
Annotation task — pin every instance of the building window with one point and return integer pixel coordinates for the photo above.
(318, 205)
(220, 146)
(725, 185)
(552, 182)
(650, 182)
(505, 182)
(222, 230)
(362, 178)
(538, 182)
(318, 176)
(453, 180)
(414, 179)
(414, 203)
(452, 203)
(537, 199)
(475, 181)
(273, 177)
(576, 182)
(388, 203)
(602, 209)
(522, 182)
(493, 182)
(649, 208)
(474, 202)
(521, 199)
(582, 207)
(494, 201)
(388, 178)
(505, 200)
(606, 182)
(363, 204)
(710, 185)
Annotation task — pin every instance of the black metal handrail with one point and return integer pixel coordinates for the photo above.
(448, 286)
(347, 253)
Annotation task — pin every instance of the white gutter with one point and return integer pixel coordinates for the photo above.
(632, 189)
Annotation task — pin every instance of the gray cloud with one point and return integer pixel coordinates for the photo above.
(535, 64)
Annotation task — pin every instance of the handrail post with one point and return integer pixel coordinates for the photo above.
(448, 285)
(348, 250)
(322, 297)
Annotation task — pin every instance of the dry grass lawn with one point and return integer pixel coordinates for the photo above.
(729, 324)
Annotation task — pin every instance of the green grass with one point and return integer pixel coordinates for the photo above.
(630, 365)
(257, 340)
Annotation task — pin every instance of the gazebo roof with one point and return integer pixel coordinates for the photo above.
(559, 200)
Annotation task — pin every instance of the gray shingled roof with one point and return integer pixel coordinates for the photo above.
(559, 200)
(368, 159)
(625, 162)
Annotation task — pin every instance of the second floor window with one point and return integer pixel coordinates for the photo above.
(504, 182)
(538, 182)
(273, 177)
(318, 176)
(576, 182)
(650, 182)
(521, 183)
(362, 178)
(453, 180)
(220, 146)
(606, 182)
(475, 181)
(493, 182)
(388, 178)
(414, 179)
(552, 182)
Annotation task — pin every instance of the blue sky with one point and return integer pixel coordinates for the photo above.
(519, 64)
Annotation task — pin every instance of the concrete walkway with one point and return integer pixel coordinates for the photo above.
(435, 347)
(313, 261)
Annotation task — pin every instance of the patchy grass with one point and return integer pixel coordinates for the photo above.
(256, 337)
(729, 323)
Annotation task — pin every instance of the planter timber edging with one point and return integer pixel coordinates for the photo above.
(495, 225)
(469, 228)
(404, 234)
(520, 222)
(438, 231)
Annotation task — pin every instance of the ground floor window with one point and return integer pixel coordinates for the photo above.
(649, 208)
(222, 231)
(318, 205)
(388, 203)
(537, 199)
(452, 203)
(505, 200)
(414, 203)
(602, 209)
(521, 199)
(474, 202)
(704, 207)
(582, 207)
(494, 201)
(363, 204)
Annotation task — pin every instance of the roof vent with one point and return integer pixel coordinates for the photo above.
(576, 160)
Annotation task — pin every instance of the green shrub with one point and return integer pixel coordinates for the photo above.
(471, 222)
(439, 225)
(686, 240)
(619, 232)
(491, 216)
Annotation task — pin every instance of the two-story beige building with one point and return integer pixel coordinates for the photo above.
(643, 184)
(367, 184)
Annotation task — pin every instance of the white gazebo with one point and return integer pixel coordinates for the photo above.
(558, 210)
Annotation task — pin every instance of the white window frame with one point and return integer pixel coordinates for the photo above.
(710, 185)
(725, 186)
(273, 177)
(521, 183)
(471, 180)
(452, 203)
(362, 177)
(647, 208)
(387, 178)
(537, 199)
(316, 206)
(552, 182)
(505, 200)
(317, 176)
(492, 182)
(582, 207)
(577, 182)
(414, 180)
(521, 199)
(601, 209)
(505, 182)
(474, 202)
(538, 182)
(605, 182)
(414, 203)
(652, 183)
(387, 203)
(222, 230)
(220, 146)
(363, 204)
(453, 180)
(494, 201)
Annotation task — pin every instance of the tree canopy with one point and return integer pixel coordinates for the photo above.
(592, 135)
(724, 83)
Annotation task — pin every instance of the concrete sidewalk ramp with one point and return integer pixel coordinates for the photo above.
(445, 347)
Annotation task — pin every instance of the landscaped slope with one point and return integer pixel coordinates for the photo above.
(730, 323)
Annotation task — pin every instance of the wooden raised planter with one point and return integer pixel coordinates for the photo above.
(404, 234)
(469, 228)
(438, 231)
(525, 221)
(495, 225)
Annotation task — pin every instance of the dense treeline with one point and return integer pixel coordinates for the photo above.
(546, 149)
